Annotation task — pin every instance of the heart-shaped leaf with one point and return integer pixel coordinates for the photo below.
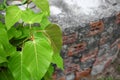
(39, 53)
(54, 34)
(13, 14)
(35, 58)
(17, 67)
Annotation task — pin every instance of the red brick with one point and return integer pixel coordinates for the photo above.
(82, 74)
(90, 55)
(75, 49)
(67, 39)
(103, 40)
(62, 78)
(72, 68)
(76, 67)
(118, 45)
(96, 27)
(67, 61)
(109, 61)
(99, 60)
(118, 18)
(54, 76)
(68, 70)
(115, 43)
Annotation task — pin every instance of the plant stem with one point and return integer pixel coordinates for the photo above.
(5, 3)
(31, 34)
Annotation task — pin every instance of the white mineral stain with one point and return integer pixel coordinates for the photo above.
(55, 10)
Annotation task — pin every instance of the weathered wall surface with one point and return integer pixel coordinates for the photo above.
(91, 38)
(74, 13)
(89, 50)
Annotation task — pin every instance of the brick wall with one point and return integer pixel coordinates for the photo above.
(88, 50)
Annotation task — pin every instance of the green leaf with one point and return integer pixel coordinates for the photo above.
(4, 64)
(5, 74)
(2, 7)
(48, 75)
(18, 36)
(30, 17)
(3, 36)
(35, 58)
(45, 22)
(54, 34)
(2, 54)
(13, 14)
(43, 5)
(17, 67)
(25, 32)
(13, 32)
(39, 53)
(57, 59)
(8, 48)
